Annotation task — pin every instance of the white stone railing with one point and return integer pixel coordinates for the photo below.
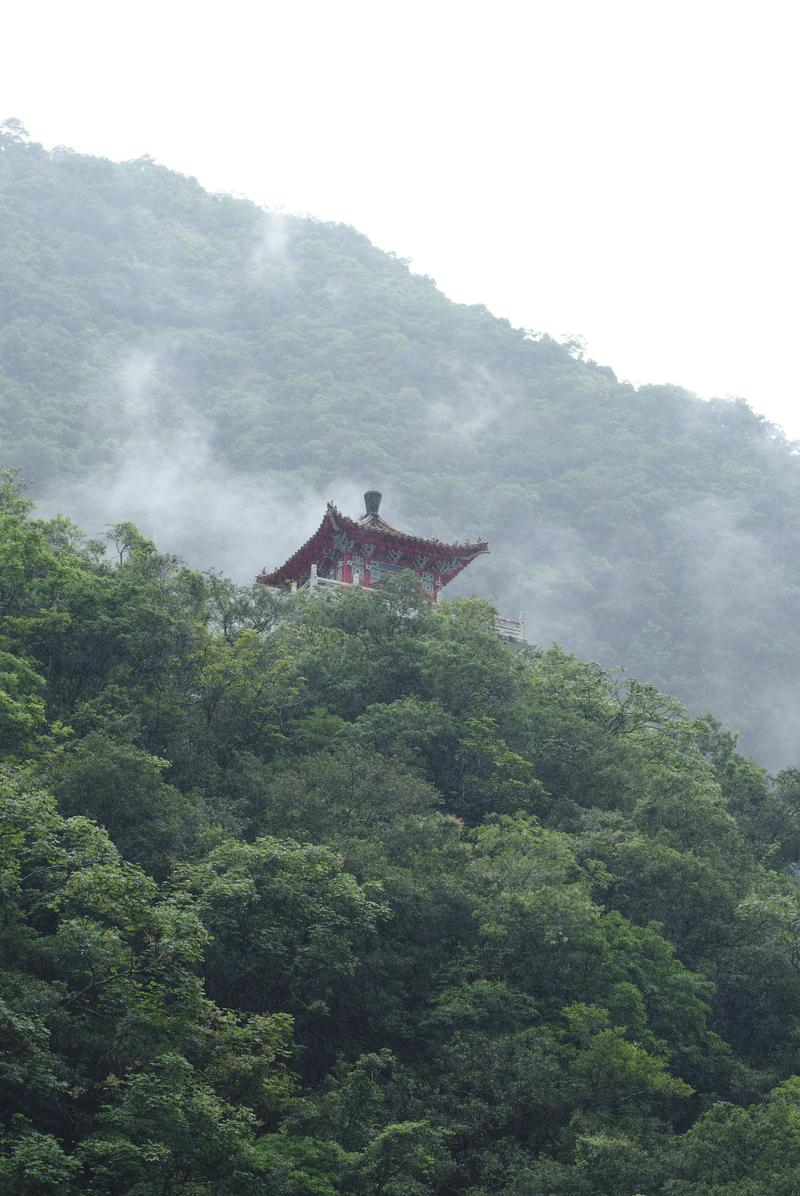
(510, 629)
(315, 582)
(507, 629)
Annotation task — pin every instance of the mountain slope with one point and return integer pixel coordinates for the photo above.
(349, 897)
(215, 371)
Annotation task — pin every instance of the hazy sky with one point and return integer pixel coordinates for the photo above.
(624, 171)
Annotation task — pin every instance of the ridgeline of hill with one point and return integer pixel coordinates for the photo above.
(640, 527)
(314, 898)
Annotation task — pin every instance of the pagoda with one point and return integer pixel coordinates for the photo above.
(365, 552)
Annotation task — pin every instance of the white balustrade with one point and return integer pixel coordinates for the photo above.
(512, 630)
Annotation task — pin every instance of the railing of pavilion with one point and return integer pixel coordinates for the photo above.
(508, 629)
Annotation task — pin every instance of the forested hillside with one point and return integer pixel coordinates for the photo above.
(216, 372)
(307, 898)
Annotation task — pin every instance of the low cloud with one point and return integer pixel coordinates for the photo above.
(167, 477)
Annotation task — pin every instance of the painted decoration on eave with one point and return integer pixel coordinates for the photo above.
(368, 550)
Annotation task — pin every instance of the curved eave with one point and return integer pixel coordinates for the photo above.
(299, 562)
(376, 524)
(298, 566)
(465, 558)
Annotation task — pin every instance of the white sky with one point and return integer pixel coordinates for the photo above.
(625, 171)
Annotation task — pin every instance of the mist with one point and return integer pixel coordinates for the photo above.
(215, 373)
(166, 476)
(166, 473)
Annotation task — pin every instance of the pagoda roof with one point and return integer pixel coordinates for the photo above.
(450, 558)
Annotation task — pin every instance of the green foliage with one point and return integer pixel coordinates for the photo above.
(350, 897)
(742, 1152)
(286, 922)
(22, 709)
(122, 788)
(167, 1131)
(37, 1166)
(637, 525)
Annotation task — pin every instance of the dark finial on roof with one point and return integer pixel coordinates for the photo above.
(372, 501)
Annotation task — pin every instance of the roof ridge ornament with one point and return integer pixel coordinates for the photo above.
(369, 548)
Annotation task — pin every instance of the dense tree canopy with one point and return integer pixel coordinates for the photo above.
(348, 896)
(151, 333)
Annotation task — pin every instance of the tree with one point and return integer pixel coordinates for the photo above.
(12, 131)
(123, 788)
(286, 920)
